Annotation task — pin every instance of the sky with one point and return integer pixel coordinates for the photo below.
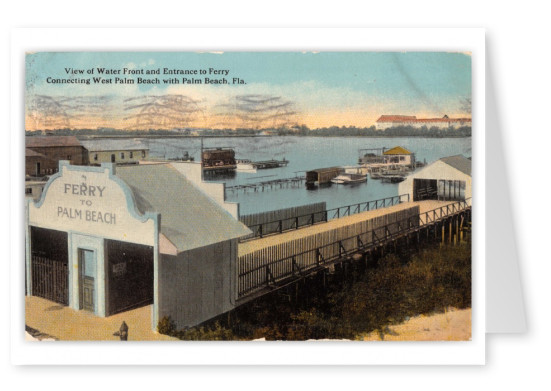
(241, 89)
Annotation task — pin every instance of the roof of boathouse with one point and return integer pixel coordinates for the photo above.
(459, 162)
(189, 218)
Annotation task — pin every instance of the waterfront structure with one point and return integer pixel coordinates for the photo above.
(399, 156)
(108, 239)
(446, 179)
(218, 160)
(43, 153)
(445, 122)
(322, 176)
(120, 151)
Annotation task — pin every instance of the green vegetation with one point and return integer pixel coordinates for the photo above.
(398, 287)
(303, 130)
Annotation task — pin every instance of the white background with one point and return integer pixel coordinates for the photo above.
(517, 36)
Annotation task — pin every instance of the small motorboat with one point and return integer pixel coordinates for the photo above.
(348, 179)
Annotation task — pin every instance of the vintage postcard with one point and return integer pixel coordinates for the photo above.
(284, 196)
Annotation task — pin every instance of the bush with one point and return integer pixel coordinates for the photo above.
(166, 326)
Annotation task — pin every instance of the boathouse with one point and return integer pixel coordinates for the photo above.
(446, 179)
(108, 239)
(399, 156)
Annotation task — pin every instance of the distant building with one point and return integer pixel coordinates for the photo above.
(112, 150)
(389, 121)
(43, 153)
(446, 179)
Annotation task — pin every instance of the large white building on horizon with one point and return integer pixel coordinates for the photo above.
(389, 121)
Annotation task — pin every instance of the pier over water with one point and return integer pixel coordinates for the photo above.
(268, 263)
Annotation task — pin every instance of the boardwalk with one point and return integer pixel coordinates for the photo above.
(269, 262)
(257, 244)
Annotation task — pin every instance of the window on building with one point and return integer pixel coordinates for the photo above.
(28, 190)
(95, 156)
(143, 153)
(131, 154)
(122, 155)
(69, 157)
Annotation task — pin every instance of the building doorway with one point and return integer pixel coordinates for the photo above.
(129, 276)
(37, 168)
(112, 158)
(425, 189)
(87, 277)
(49, 265)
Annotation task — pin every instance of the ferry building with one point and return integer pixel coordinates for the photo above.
(108, 239)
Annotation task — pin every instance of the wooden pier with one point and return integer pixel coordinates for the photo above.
(272, 262)
(267, 185)
(262, 165)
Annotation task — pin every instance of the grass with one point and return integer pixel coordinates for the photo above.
(398, 287)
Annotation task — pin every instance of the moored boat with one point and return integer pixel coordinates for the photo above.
(348, 179)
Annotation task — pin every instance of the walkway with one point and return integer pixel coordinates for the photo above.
(257, 244)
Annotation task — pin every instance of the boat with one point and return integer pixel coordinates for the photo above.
(348, 179)
(392, 178)
(245, 165)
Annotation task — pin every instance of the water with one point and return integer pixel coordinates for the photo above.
(306, 153)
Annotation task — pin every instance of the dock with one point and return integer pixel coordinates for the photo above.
(271, 262)
(267, 185)
(262, 165)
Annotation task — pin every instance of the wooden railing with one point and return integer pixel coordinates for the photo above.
(296, 222)
(259, 273)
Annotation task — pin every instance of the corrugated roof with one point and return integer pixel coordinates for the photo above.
(113, 144)
(397, 151)
(51, 141)
(459, 162)
(320, 170)
(189, 219)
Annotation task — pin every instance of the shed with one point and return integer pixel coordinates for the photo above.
(112, 150)
(322, 175)
(399, 155)
(446, 179)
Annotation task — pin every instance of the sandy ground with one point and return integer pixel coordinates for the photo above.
(453, 325)
(66, 324)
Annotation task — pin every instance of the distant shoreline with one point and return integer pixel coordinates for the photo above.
(124, 136)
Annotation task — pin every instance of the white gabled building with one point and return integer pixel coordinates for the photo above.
(446, 179)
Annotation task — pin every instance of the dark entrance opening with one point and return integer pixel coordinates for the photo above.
(451, 190)
(130, 276)
(112, 158)
(37, 168)
(49, 265)
(425, 189)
